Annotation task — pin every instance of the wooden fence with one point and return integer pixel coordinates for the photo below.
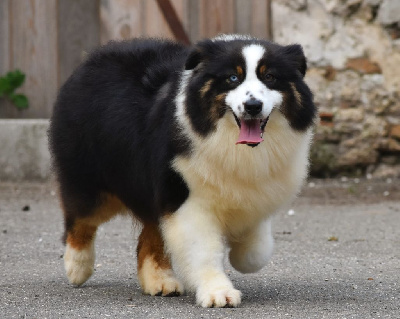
(46, 39)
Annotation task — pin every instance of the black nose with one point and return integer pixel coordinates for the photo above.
(253, 106)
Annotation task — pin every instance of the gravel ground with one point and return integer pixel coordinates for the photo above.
(336, 256)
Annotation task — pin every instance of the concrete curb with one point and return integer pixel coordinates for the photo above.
(24, 152)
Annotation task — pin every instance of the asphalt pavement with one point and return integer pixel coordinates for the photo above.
(337, 255)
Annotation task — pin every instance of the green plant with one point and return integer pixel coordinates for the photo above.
(8, 84)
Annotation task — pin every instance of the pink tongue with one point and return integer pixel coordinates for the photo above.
(250, 132)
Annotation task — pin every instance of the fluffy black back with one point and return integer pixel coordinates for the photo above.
(112, 132)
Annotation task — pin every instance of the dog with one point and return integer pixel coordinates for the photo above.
(201, 144)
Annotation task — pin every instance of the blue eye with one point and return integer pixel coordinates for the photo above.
(233, 78)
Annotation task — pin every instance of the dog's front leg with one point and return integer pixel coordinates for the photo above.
(252, 251)
(195, 242)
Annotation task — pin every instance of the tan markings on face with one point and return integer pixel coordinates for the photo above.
(205, 88)
(263, 69)
(151, 245)
(220, 98)
(84, 229)
(239, 71)
(296, 93)
(217, 107)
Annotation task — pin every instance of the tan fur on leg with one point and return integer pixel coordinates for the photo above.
(79, 254)
(154, 268)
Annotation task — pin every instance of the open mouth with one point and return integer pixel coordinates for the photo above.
(251, 131)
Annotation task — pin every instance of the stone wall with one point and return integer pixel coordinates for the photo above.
(353, 50)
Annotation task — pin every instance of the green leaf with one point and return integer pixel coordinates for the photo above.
(9, 83)
(5, 87)
(15, 78)
(20, 100)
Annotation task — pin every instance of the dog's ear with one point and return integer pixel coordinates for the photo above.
(194, 59)
(296, 54)
(201, 52)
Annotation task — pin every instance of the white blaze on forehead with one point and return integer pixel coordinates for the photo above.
(252, 55)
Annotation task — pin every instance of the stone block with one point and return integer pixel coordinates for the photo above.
(389, 12)
(309, 27)
(363, 65)
(393, 145)
(374, 126)
(349, 115)
(362, 155)
(24, 153)
(386, 171)
(395, 131)
(323, 159)
(354, 67)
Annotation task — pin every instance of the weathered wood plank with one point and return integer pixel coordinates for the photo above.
(46, 39)
(260, 20)
(155, 24)
(243, 16)
(34, 51)
(6, 109)
(174, 22)
(78, 33)
(252, 18)
(121, 19)
(181, 7)
(192, 24)
(269, 26)
(4, 37)
(216, 16)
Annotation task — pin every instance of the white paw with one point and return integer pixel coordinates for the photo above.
(218, 297)
(156, 281)
(78, 264)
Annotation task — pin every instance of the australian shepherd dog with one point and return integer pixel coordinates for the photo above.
(202, 145)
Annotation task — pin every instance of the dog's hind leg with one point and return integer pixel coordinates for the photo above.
(79, 253)
(154, 268)
(80, 233)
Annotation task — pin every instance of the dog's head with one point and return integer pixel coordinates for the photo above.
(247, 79)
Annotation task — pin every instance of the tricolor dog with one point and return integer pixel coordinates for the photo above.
(202, 145)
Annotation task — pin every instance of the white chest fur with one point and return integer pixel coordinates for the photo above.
(242, 185)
